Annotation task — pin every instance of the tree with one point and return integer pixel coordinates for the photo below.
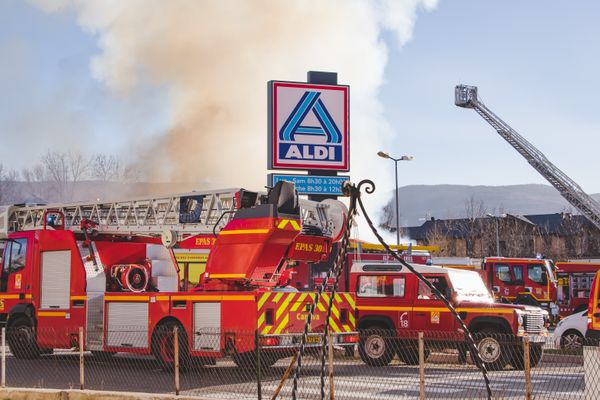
(106, 167)
(9, 190)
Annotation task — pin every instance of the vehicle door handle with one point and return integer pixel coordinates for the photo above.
(420, 314)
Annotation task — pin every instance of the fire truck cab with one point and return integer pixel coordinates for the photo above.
(592, 335)
(392, 306)
(574, 285)
(529, 281)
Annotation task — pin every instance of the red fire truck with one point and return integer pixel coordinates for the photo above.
(392, 306)
(110, 268)
(574, 285)
(529, 281)
(593, 332)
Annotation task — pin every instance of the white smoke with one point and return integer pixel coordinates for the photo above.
(215, 57)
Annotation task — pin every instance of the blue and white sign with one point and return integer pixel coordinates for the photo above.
(312, 184)
(308, 126)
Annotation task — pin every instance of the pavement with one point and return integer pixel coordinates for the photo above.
(444, 378)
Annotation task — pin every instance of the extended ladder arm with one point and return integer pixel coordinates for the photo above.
(466, 97)
(193, 213)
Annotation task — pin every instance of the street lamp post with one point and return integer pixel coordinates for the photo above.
(497, 233)
(395, 160)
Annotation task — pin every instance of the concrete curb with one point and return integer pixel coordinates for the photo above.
(56, 394)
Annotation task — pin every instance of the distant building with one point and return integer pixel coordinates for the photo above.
(558, 236)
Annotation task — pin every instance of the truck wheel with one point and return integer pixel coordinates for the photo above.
(21, 339)
(163, 346)
(248, 360)
(535, 356)
(374, 348)
(491, 350)
(410, 355)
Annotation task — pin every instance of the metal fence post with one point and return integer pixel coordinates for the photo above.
(258, 366)
(176, 358)
(527, 369)
(81, 364)
(3, 357)
(421, 367)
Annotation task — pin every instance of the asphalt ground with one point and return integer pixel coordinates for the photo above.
(557, 376)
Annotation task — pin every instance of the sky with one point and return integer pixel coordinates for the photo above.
(536, 65)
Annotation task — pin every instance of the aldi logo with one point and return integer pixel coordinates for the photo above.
(308, 126)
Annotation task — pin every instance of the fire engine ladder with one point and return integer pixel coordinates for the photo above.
(466, 97)
(188, 213)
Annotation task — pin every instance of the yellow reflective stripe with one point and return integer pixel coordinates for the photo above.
(277, 297)
(213, 297)
(78, 297)
(162, 298)
(352, 320)
(261, 320)
(283, 223)
(320, 307)
(350, 300)
(337, 298)
(335, 311)
(485, 310)
(51, 313)
(283, 306)
(295, 225)
(325, 298)
(127, 298)
(244, 232)
(282, 325)
(266, 330)
(383, 308)
(334, 326)
(226, 276)
(9, 296)
(298, 302)
(346, 328)
(262, 300)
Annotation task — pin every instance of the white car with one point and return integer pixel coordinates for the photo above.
(570, 331)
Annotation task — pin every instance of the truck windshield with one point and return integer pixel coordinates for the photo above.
(469, 286)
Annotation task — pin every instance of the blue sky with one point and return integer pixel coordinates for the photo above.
(536, 64)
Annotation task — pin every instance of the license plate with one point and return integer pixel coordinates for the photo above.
(313, 339)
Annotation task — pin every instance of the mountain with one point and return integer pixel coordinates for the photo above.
(421, 202)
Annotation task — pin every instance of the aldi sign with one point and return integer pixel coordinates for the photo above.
(308, 126)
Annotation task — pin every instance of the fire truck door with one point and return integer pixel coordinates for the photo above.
(54, 314)
(507, 280)
(429, 313)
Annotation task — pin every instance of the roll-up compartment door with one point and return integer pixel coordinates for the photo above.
(56, 279)
(127, 324)
(207, 326)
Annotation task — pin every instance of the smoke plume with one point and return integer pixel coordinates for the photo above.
(214, 58)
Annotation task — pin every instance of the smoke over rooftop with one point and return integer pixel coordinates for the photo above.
(214, 58)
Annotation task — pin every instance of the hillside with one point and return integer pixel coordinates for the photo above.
(419, 202)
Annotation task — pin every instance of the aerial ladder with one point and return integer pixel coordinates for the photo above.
(466, 97)
(172, 217)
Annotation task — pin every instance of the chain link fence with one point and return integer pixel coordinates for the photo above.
(381, 366)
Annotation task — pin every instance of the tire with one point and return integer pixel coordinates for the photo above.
(572, 340)
(535, 356)
(374, 349)
(22, 339)
(409, 355)
(163, 348)
(492, 352)
(248, 360)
